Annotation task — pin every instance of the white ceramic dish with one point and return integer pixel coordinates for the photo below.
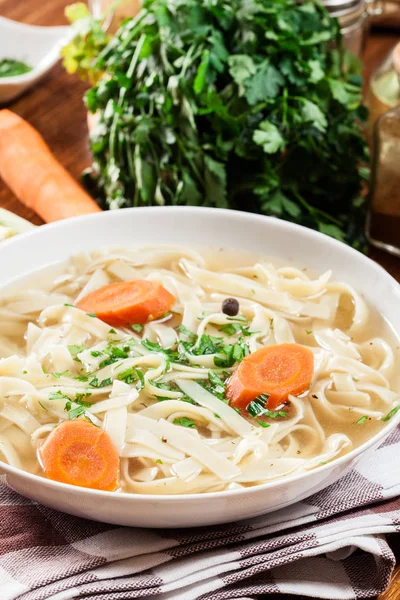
(196, 227)
(38, 46)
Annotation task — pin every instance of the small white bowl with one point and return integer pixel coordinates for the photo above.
(196, 227)
(39, 47)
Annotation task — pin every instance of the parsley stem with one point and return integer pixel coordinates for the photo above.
(284, 106)
(314, 210)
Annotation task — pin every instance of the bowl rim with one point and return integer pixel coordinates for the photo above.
(249, 218)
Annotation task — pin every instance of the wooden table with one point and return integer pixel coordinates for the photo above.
(56, 109)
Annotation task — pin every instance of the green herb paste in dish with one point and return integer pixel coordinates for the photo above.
(9, 67)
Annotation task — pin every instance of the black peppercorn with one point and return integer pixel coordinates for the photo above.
(230, 307)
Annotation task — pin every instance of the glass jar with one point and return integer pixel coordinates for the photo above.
(354, 16)
(383, 222)
(384, 87)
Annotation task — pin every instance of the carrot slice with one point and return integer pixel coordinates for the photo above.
(275, 370)
(35, 176)
(80, 453)
(128, 302)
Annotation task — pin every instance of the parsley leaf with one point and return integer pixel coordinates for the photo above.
(74, 349)
(257, 407)
(269, 137)
(128, 376)
(233, 328)
(185, 422)
(58, 396)
(362, 420)
(265, 83)
(187, 332)
(59, 374)
(391, 414)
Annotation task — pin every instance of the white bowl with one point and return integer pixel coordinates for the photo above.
(37, 46)
(196, 227)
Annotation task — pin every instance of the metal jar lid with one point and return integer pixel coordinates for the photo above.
(339, 5)
(348, 11)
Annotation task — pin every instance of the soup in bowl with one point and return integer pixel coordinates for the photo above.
(140, 377)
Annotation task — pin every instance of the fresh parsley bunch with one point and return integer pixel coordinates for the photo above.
(244, 104)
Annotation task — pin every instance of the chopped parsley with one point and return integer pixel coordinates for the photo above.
(132, 375)
(362, 420)
(159, 461)
(74, 413)
(96, 384)
(137, 327)
(226, 355)
(185, 422)
(257, 408)
(77, 411)
(82, 377)
(96, 353)
(231, 354)
(105, 382)
(234, 328)
(187, 332)
(80, 397)
(108, 361)
(263, 423)
(240, 318)
(74, 349)
(11, 67)
(58, 396)
(91, 315)
(207, 344)
(112, 331)
(218, 388)
(117, 352)
(141, 382)
(309, 331)
(128, 376)
(71, 305)
(163, 386)
(59, 374)
(391, 413)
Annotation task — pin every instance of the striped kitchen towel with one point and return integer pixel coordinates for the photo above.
(331, 545)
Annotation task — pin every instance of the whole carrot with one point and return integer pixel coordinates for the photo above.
(35, 176)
